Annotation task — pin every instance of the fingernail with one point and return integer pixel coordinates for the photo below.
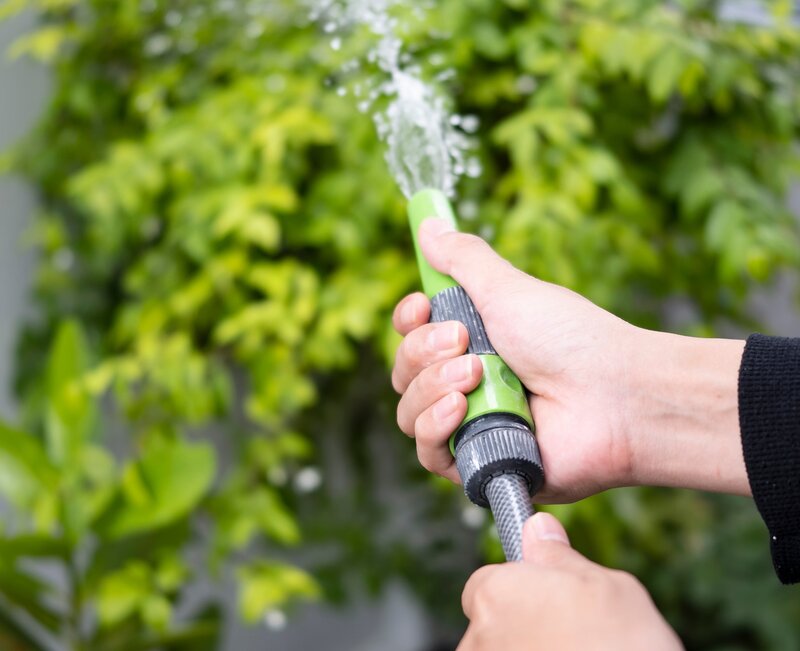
(445, 407)
(436, 226)
(458, 370)
(444, 337)
(546, 527)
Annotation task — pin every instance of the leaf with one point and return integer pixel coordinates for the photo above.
(665, 73)
(157, 612)
(29, 594)
(33, 546)
(202, 635)
(701, 189)
(265, 586)
(70, 407)
(25, 470)
(10, 8)
(171, 478)
(121, 594)
(725, 220)
(43, 44)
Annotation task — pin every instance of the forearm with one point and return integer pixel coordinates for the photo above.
(684, 430)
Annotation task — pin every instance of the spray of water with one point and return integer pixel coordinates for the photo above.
(426, 145)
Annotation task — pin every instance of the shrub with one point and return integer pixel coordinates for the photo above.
(221, 223)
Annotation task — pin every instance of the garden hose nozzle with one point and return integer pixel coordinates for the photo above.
(495, 450)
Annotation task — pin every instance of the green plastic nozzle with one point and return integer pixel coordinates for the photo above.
(425, 204)
(500, 392)
(495, 448)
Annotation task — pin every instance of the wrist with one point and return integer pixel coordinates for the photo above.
(683, 413)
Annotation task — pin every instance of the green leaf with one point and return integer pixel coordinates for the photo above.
(665, 73)
(265, 586)
(43, 44)
(70, 408)
(25, 470)
(10, 8)
(28, 593)
(33, 546)
(700, 190)
(171, 478)
(157, 612)
(120, 595)
(724, 221)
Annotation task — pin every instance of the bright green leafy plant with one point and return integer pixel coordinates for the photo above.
(221, 222)
(103, 535)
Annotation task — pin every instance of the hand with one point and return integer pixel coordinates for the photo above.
(613, 404)
(557, 599)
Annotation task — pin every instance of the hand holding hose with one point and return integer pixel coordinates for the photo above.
(613, 404)
(557, 599)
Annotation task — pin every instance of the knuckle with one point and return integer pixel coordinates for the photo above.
(412, 351)
(397, 385)
(403, 421)
(425, 435)
(468, 239)
(426, 459)
(628, 581)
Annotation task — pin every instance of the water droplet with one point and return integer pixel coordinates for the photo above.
(308, 480)
(173, 18)
(474, 168)
(468, 210)
(157, 45)
(275, 620)
(473, 516)
(424, 145)
(470, 123)
(526, 84)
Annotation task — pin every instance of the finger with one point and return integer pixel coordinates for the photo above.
(475, 584)
(433, 430)
(410, 313)
(467, 642)
(461, 374)
(545, 542)
(427, 345)
(466, 258)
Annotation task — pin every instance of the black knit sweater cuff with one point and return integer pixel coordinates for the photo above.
(769, 418)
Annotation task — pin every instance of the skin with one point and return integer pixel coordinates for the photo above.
(557, 599)
(614, 405)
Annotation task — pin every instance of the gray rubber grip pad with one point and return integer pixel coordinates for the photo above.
(453, 304)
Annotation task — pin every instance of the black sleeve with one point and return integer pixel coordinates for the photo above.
(769, 418)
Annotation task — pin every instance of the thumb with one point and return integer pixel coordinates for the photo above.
(545, 542)
(468, 259)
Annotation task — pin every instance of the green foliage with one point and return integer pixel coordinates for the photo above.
(222, 224)
(72, 507)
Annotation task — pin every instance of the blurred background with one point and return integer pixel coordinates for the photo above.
(201, 248)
